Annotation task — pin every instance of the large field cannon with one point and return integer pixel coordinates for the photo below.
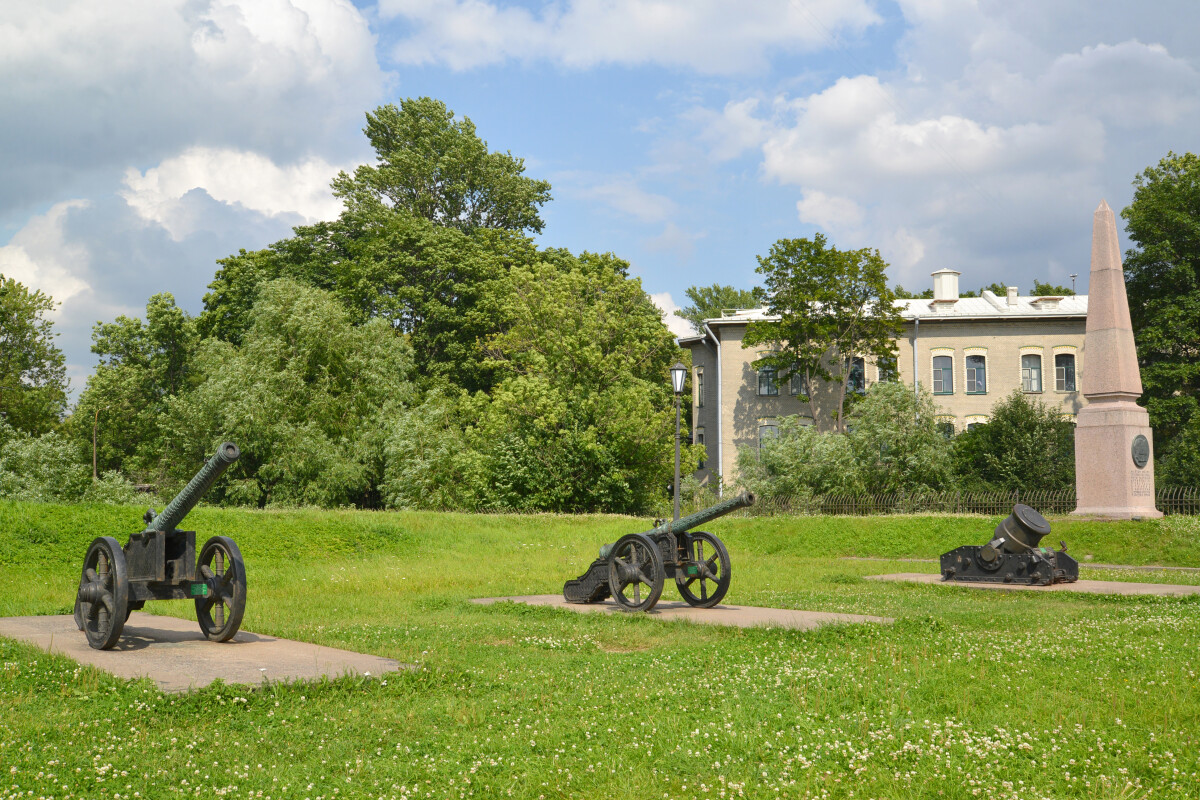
(160, 563)
(633, 569)
(1013, 555)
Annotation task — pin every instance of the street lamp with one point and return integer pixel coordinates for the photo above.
(678, 376)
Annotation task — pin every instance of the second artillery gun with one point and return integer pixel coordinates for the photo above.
(160, 563)
(1013, 555)
(633, 569)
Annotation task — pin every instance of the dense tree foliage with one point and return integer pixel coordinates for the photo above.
(306, 396)
(1023, 446)
(1046, 289)
(1162, 276)
(709, 301)
(833, 306)
(142, 365)
(33, 379)
(434, 167)
(893, 444)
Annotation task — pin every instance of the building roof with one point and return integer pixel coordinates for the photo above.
(989, 306)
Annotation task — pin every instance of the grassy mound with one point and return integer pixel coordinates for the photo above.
(969, 694)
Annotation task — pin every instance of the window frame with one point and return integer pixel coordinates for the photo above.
(861, 364)
(1074, 387)
(768, 377)
(946, 373)
(1028, 373)
(969, 369)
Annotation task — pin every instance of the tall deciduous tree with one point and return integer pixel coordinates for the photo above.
(142, 364)
(709, 301)
(33, 379)
(305, 396)
(436, 167)
(1024, 445)
(833, 306)
(1162, 278)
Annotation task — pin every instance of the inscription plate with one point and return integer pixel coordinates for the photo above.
(1140, 451)
(1141, 484)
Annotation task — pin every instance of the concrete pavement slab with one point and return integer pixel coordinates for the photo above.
(175, 655)
(735, 616)
(1084, 587)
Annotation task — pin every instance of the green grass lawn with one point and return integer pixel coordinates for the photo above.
(970, 694)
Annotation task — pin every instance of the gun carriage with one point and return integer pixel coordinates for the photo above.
(1013, 555)
(633, 569)
(160, 563)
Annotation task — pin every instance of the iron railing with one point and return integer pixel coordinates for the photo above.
(1169, 500)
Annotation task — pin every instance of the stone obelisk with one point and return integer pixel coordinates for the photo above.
(1114, 448)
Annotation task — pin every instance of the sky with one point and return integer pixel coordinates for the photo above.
(142, 140)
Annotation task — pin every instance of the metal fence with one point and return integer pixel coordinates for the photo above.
(1169, 500)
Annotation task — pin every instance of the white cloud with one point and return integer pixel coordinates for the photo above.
(730, 132)
(98, 87)
(675, 240)
(666, 304)
(834, 214)
(625, 196)
(232, 177)
(708, 36)
(39, 257)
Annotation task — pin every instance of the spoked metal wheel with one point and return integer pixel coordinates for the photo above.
(635, 572)
(703, 579)
(220, 566)
(103, 593)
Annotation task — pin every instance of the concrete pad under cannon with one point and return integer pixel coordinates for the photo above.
(175, 655)
(734, 616)
(1083, 587)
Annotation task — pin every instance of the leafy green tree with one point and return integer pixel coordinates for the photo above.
(1047, 289)
(896, 442)
(833, 306)
(437, 168)
(1162, 278)
(709, 301)
(234, 291)
(904, 294)
(33, 378)
(306, 396)
(799, 462)
(1024, 445)
(142, 365)
(581, 419)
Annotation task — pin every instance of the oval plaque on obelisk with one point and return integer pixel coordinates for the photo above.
(1140, 451)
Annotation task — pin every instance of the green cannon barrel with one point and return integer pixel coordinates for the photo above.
(695, 520)
(705, 515)
(187, 499)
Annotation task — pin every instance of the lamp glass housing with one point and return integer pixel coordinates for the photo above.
(678, 376)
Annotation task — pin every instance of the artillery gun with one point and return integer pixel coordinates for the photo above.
(1013, 555)
(633, 569)
(160, 563)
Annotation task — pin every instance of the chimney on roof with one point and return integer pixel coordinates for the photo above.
(1012, 295)
(945, 284)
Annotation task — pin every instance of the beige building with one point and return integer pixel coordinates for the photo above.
(970, 352)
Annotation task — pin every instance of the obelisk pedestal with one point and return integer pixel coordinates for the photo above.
(1114, 450)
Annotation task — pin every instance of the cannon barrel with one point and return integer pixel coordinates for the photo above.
(187, 499)
(704, 515)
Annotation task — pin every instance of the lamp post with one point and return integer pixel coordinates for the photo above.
(678, 376)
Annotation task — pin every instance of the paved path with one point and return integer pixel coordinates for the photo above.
(1085, 587)
(175, 655)
(1088, 564)
(735, 616)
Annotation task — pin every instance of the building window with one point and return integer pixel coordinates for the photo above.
(798, 384)
(943, 375)
(1064, 372)
(886, 372)
(699, 387)
(1031, 373)
(767, 386)
(858, 375)
(975, 420)
(976, 375)
(767, 429)
(946, 428)
(698, 438)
